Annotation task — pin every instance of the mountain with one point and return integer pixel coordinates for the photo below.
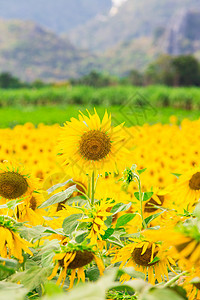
(134, 19)
(59, 16)
(124, 57)
(182, 36)
(30, 51)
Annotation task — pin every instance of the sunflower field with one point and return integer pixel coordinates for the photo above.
(95, 211)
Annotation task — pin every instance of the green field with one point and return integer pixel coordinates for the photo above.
(11, 116)
(159, 96)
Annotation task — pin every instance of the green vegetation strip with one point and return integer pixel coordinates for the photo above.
(9, 117)
(159, 96)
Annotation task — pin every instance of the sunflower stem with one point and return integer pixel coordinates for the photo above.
(174, 279)
(92, 189)
(141, 195)
(88, 187)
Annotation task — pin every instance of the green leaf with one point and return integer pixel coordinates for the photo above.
(81, 237)
(108, 233)
(108, 221)
(176, 174)
(152, 217)
(156, 258)
(58, 185)
(12, 291)
(124, 219)
(70, 223)
(141, 171)
(93, 274)
(33, 277)
(78, 201)
(120, 207)
(51, 288)
(164, 294)
(137, 196)
(59, 197)
(147, 196)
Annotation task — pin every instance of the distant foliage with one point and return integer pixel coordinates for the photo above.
(156, 96)
(183, 70)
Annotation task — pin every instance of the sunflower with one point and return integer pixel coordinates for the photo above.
(186, 192)
(192, 284)
(96, 221)
(28, 211)
(88, 144)
(15, 182)
(185, 238)
(146, 257)
(75, 258)
(11, 243)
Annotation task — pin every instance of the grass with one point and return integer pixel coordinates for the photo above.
(158, 96)
(11, 116)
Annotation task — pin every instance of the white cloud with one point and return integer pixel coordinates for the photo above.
(115, 6)
(118, 3)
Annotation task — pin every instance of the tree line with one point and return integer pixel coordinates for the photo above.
(183, 70)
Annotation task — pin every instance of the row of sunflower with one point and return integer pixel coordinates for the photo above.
(79, 214)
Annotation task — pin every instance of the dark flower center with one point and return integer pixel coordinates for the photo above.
(81, 259)
(94, 145)
(194, 182)
(33, 203)
(12, 185)
(197, 285)
(143, 260)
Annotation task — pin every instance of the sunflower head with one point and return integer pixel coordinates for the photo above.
(94, 145)
(12, 185)
(144, 258)
(74, 257)
(90, 145)
(81, 259)
(15, 182)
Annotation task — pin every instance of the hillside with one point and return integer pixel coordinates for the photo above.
(124, 57)
(182, 36)
(29, 51)
(59, 16)
(134, 19)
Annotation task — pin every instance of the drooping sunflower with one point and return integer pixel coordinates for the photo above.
(74, 258)
(11, 242)
(146, 257)
(88, 144)
(15, 182)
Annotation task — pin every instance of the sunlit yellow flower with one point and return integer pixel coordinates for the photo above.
(96, 221)
(74, 258)
(11, 243)
(28, 210)
(146, 257)
(15, 182)
(88, 144)
(192, 284)
(186, 192)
